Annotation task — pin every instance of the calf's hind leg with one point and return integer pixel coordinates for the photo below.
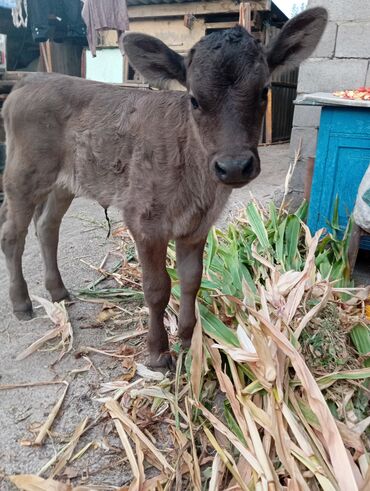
(18, 216)
(48, 217)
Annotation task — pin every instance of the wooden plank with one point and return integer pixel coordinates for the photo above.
(196, 8)
(4, 84)
(14, 76)
(284, 84)
(268, 118)
(220, 25)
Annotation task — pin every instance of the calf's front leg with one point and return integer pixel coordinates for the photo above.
(18, 216)
(189, 257)
(157, 289)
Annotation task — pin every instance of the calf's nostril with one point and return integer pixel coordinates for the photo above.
(221, 171)
(247, 166)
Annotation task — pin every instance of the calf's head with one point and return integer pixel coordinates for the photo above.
(227, 77)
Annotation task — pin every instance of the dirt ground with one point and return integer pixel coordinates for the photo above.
(83, 243)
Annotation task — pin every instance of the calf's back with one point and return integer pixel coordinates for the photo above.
(132, 149)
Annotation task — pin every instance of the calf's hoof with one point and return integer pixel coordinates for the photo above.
(163, 361)
(59, 295)
(186, 343)
(24, 315)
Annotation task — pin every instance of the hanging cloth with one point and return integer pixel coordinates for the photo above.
(101, 15)
(8, 4)
(19, 13)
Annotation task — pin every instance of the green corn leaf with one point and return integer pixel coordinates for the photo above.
(292, 233)
(212, 244)
(360, 337)
(248, 277)
(279, 248)
(232, 424)
(257, 225)
(172, 274)
(302, 211)
(274, 225)
(360, 374)
(335, 220)
(216, 329)
(175, 290)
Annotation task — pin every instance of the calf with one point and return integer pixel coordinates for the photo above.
(168, 160)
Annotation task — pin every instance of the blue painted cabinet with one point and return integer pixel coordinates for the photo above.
(342, 157)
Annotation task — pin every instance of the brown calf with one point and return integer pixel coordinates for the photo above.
(169, 160)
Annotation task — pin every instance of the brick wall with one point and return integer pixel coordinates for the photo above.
(340, 61)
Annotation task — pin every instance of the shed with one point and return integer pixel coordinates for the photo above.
(180, 24)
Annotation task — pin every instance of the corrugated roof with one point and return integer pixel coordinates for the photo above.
(154, 2)
(275, 11)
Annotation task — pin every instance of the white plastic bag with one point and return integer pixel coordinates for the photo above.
(361, 212)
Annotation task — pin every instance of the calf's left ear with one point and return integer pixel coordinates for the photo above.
(156, 62)
(297, 40)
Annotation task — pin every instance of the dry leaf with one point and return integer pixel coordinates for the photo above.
(115, 411)
(27, 482)
(196, 350)
(58, 315)
(148, 374)
(50, 419)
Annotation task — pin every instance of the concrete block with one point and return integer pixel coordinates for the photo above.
(293, 200)
(353, 40)
(367, 83)
(344, 10)
(298, 179)
(308, 136)
(326, 46)
(307, 116)
(325, 75)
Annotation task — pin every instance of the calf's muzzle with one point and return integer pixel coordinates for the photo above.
(238, 171)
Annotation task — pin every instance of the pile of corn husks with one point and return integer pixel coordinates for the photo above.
(244, 411)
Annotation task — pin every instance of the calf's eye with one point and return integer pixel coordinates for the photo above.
(194, 102)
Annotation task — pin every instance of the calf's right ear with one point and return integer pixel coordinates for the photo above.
(297, 40)
(156, 62)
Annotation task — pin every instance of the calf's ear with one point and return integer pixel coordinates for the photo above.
(297, 40)
(156, 62)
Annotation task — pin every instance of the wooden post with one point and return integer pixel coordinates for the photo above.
(65, 58)
(45, 57)
(48, 53)
(268, 118)
(125, 69)
(308, 180)
(245, 16)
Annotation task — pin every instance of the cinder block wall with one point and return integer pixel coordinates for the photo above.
(341, 61)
